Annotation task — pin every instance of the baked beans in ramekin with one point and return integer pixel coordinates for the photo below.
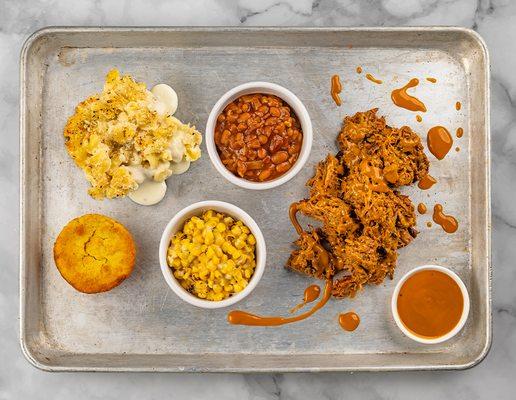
(259, 135)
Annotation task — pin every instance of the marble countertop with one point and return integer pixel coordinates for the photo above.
(495, 20)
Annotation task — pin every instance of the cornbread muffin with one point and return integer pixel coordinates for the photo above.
(125, 135)
(94, 253)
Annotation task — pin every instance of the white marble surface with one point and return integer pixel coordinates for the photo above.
(495, 20)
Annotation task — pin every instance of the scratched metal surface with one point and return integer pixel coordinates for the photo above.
(142, 325)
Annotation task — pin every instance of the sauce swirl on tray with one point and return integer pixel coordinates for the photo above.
(426, 182)
(402, 99)
(439, 141)
(447, 222)
(336, 88)
(311, 294)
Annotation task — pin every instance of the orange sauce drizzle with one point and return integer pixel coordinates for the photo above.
(349, 321)
(359, 70)
(238, 317)
(418, 118)
(457, 149)
(373, 79)
(311, 294)
(402, 99)
(439, 141)
(460, 132)
(426, 182)
(433, 80)
(421, 208)
(336, 88)
(447, 222)
(458, 106)
(429, 224)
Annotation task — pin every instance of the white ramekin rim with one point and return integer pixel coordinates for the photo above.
(465, 309)
(177, 222)
(268, 88)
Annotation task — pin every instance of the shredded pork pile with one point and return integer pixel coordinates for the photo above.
(364, 218)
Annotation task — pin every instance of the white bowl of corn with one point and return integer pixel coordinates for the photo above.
(212, 254)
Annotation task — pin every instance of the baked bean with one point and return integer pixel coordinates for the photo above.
(258, 137)
(275, 143)
(262, 153)
(265, 174)
(283, 167)
(244, 117)
(279, 157)
(252, 165)
(225, 137)
(263, 139)
(241, 168)
(275, 112)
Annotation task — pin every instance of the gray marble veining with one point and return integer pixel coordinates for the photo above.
(494, 20)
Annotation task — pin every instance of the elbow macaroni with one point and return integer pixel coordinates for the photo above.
(213, 257)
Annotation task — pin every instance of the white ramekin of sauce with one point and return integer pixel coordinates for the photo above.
(430, 304)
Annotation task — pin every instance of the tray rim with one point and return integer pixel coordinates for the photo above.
(48, 30)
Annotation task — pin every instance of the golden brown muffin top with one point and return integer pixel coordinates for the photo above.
(94, 253)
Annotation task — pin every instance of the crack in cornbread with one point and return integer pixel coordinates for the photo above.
(121, 130)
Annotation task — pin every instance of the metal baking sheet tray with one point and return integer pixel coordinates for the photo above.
(141, 325)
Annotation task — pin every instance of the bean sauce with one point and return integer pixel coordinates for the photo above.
(258, 137)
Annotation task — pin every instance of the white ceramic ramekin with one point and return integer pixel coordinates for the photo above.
(268, 88)
(465, 309)
(176, 223)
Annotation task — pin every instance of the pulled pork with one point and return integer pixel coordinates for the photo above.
(365, 220)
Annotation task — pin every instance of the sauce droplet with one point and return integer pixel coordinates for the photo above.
(418, 118)
(402, 99)
(426, 182)
(447, 222)
(429, 224)
(349, 321)
(359, 70)
(460, 132)
(238, 317)
(373, 79)
(433, 80)
(457, 149)
(439, 141)
(311, 294)
(458, 105)
(421, 208)
(336, 88)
